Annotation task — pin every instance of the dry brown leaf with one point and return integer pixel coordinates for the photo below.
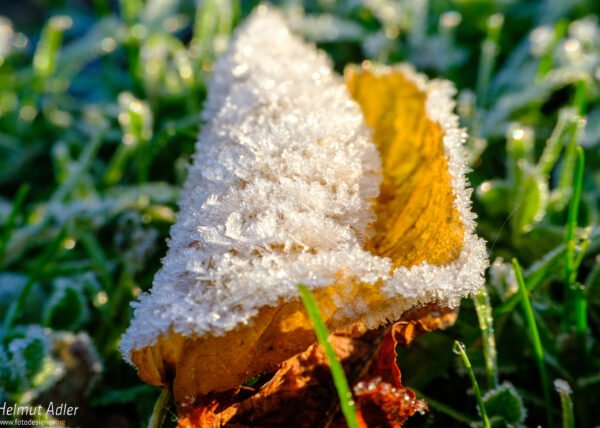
(382, 400)
(423, 320)
(301, 393)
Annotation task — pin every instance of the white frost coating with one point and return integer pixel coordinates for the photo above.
(280, 193)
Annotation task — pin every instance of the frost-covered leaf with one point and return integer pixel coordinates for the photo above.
(11, 284)
(373, 223)
(506, 404)
(11, 378)
(23, 359)
(30, 350)
(67, 307)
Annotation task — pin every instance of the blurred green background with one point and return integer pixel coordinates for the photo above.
(99, 113)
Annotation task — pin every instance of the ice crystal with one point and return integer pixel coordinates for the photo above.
(280, 192)
(562, 386)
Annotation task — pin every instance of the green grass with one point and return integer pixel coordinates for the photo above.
(566, 404)
(538, 349)
(337, 371)
(159, 412)
(99, 113)
(459, 349)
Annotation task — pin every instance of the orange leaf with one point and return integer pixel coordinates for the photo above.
(300, 394)
(224, 309)
(382, 399)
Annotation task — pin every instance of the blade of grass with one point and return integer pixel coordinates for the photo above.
(101, 7)
(566, 404)
(534, 277)
(12, 217)
(445, 409)
(489, 53)
(418, 28)
(576, 301)
(119, 296)
(337, 371)
(581, 96)
(487, 61)
(547, 61)
(459, 349)
(486, 324)
(586, 381)
(131, 10)
(571, 227)
(46, 54)
(538, 349)
(16, 306)
(84, 163)
(98, 257)
(213, 19)
(159, 410)
(556, 365)
(569, 162)
(546, 268)
(566, 120)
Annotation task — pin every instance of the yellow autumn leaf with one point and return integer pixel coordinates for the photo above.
(378, 222)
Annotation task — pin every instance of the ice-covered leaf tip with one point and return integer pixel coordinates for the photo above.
(355, 189)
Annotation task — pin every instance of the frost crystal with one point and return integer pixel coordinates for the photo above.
(562, 386)
(280, 193)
